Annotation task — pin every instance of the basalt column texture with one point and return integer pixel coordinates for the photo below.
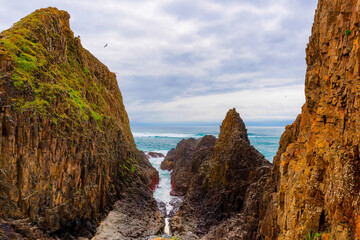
(66, 149)
(186, 159)
(228, 183)
(317, 168)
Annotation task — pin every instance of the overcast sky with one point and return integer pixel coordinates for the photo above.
(186, 61)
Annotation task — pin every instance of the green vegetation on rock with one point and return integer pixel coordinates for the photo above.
(47, 73)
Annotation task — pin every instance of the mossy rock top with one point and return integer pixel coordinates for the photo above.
(45, 69)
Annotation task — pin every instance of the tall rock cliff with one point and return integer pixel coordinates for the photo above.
(227, 184)
(316, 177)
(66, 149)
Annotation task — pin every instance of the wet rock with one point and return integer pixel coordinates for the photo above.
(153, 176)
(162, 208)
(186, 159)
(155, 155)
(176, 204)
(168, 162)
(151, 172)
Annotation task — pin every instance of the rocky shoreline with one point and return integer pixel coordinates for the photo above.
(70, 169)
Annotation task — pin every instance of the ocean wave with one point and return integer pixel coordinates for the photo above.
(167, 135)
(258, 136)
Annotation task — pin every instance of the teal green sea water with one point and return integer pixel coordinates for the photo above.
(264, 139)
(163, 139)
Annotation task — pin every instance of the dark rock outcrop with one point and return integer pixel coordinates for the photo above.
(186, 159)
(316, 175)
(155, 154)
(66, 149)
(181, 153)
(227, 184)
(151, 172)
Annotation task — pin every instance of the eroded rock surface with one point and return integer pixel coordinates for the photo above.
(317, 169)
(186, 159)
(155, 154)
(66, 149)
(227, 184)
(181, 153)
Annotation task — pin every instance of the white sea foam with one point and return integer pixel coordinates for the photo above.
(162, 191)
(170, 135)
(263, 136)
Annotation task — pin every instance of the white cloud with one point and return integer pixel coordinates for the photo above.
(190, 53)
(253, 105)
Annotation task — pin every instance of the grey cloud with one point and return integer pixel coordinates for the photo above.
(184, 10)
(172, 51)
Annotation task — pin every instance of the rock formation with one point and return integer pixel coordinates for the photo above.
(154, 155)
(182, 152)
(185, 161)
(316, 175)
(66, 149)
(151, 172)
(226, 184)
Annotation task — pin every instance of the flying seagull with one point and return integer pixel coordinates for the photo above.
(105, 45)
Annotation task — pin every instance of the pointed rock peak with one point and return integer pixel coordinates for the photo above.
(233, 124)
(45, 19)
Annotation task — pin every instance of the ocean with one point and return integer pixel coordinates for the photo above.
(264, 139)
(163, 139)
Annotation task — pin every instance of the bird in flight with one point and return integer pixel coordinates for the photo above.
(105, 45)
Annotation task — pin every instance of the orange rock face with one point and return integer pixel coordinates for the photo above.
(317, 168)
(66, 149)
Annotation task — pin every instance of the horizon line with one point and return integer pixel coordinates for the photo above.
(280, 123)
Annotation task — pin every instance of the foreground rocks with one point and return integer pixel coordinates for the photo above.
(66, 150)
(128, 221)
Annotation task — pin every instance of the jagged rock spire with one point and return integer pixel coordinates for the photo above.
(233, 124)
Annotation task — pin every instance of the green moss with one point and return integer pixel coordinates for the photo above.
(39, 105)
(175, 238)
(51, 80)
(133, 169)
(313, 236)
(347, 32)
(124, 166)
(96, 116)
(79, 102)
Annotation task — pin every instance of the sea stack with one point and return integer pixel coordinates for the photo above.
(228, 183)
(66, 150)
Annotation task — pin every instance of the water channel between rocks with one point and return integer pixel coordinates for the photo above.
(166, 202)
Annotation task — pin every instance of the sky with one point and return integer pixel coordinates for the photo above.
(185, 62)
